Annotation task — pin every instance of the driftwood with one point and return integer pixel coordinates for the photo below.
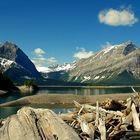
(36, 124)
(112, 120)
(135, 116)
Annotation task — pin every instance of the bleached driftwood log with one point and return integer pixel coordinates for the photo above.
(100, 122)
(126, 121)
(90, 108)
(86, 128)
(36, 124)
(68, 116)
(135, 116)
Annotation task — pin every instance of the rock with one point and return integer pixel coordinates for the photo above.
(2, 92)
(27, 89)
(36, 124)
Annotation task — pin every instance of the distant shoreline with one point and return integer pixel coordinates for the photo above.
(53, 86)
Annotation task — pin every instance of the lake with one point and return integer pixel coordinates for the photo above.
(6, 111)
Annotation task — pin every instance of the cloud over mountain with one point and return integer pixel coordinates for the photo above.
(51, 60)
(41, 61)
(82, 53)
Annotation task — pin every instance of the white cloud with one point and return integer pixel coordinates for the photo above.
(51, 60)
(40, 61)
(121, 17)
(106, 45)
(82, 53)
(39, 52)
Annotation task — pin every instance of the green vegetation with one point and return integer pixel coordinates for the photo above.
(28, 83)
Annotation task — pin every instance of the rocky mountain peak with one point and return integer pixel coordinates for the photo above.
(124, 48)
(11, 51)
(129, 42)
(8, 50)
(129, 47)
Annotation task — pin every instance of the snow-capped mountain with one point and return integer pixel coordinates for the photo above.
(5, 64)
(118, 64)
(115, 65)
(55, 68)
(15, 63)
(58, 71)
(63, 67)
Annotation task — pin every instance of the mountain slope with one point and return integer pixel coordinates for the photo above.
(11, 52)
(112, 65)
(15, 64)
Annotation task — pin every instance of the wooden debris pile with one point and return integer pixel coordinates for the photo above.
(111, 121)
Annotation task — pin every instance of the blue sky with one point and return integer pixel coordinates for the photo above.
(57, 30)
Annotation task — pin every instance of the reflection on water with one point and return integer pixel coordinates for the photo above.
(83, 91)
(6, 111)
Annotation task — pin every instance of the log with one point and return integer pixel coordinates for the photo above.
(100, 123)
(136, 93)
(126, 122)
(36, 124)
(85, 127)
(90, 108)
(89, 117)
(102, 129)
(135, 116)
(68, 116)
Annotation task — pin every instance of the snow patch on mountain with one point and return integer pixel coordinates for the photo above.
(56, 68)
(103, 77)
(97, 77)
(86, 78)
(64, 67)
(106, 50)
(5, 63)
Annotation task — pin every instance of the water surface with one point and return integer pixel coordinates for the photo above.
(6, 111)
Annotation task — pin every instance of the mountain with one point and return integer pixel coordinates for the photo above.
(115, 65)
(59, 72)
(16, 64)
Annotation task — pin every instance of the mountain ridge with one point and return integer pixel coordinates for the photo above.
(108, 63)
(105, 67)
(114, 65)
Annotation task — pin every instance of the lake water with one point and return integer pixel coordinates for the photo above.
(6, 111)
